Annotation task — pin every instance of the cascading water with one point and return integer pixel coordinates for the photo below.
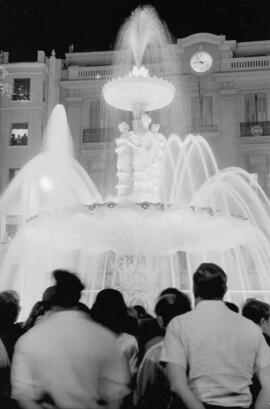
(43, 195)
(173, 208)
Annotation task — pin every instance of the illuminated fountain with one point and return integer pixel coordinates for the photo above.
(173, 208)
(42, 195)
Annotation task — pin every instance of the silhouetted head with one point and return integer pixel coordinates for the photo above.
(233, 307)
(68, 289)
(209, 282)
(256, 310)
(110, 310)
(132, 326)
(171, 305)
(48, 294)
(170, 290)
(9, 308)
(140, 311)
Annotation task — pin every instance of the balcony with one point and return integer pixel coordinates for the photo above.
(90, 73)
(246, 64)
(101, 72)
(105, 72)
(253, 129)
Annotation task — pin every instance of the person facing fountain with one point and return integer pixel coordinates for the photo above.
(221, 349)
(67, 360)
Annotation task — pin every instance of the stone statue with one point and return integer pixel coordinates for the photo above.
(124, 163)
(139, 159)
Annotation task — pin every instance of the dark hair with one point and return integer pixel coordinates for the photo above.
(171, 305)
(255, 310)
(49, 293)
(68, 289)
(132, 326)
(140, 311)
(110, 310)
(232, 306)
(9, 308)
(209, 282)
(169, 290)
(38, 309)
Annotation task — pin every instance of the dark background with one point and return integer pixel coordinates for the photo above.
(29, 25)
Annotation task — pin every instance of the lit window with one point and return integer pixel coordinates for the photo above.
(19, 134)
(21, 89)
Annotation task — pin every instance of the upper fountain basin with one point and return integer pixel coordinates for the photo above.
(138, 89)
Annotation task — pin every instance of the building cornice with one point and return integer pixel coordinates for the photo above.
(22, 68)
(209, 38)
(82, 84)
(238, 75)
(253, 48)
(251, 144)
(23, 108)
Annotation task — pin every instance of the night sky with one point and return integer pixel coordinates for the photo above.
(29, 25)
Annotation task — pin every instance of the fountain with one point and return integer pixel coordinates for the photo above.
(173, 207)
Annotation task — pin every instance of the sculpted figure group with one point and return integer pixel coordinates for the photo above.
(139, 156)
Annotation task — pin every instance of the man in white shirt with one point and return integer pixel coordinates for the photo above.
(67, 361)
(212, 352)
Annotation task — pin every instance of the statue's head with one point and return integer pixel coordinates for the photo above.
(155, 128)
(123, 127)
(146, 120)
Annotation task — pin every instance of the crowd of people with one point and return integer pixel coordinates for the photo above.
(114, 356)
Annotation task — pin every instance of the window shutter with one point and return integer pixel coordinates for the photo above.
(94, 114)
(207, 110)
(262, 106)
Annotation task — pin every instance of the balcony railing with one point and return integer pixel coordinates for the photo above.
(92, 73)
(103, 72)
(96, 135)
(246, 64)
(251, 129)
(227, 65)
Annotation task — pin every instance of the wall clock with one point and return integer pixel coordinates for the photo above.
(201, 62)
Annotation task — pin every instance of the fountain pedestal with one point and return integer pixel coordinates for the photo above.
(140, 151)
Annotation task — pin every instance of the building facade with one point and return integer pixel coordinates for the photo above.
(225, 89)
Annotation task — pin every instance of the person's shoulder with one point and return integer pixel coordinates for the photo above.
(243, 321)
(152, 355)
(128, 339)
(187, 316)
(100, 331)
(183, 319)
(154, 351)
(28, 338)
(245, 325)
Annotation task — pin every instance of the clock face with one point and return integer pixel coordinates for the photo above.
(201, 62)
